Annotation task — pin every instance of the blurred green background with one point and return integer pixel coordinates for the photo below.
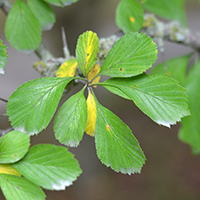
(170, 172)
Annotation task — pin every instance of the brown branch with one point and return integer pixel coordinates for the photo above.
(171, 31)
(5, 5)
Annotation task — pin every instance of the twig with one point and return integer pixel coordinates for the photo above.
(65, 46)
(5, 5)
(4, 100)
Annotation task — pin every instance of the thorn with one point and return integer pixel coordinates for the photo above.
(65, 46)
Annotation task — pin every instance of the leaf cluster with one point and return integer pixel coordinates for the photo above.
(24, 171)
(26, 21)
(32, 106)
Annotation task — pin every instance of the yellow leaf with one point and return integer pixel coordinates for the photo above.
(91, 115)
(8, 169)
(95, 70)
(67, 69)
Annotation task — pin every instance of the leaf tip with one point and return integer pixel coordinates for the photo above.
(167, 124)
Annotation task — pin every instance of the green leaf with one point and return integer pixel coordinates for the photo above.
(22, 28)
(129, 16)
(158, 96)
(61, 2)
(70, 121)
(13, 146)
(52, 167)
(190, 129)
(3, 57)
(43, 12)
(169, 9)
(175, 68)
(31, 107)
(116, 145)
(131, 55)
(86, 51)
(14, 187)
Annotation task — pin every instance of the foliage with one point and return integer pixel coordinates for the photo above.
(130, 16)
(24, 170)
(176, 68)
(43, 165)
(31, 107)
(25, 22)
(168, 9)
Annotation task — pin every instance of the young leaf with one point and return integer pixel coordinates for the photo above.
(3, 57)
(13, 146)
(67, 69)
(61, 2)
(131, 55)
(91, 114)
(70, 121)
(116, 145)
(168, 9)
(190, 129)
(175, 68)
(22, 28)
(86, 51)
(158, 96)
(52, 167)
(8, 169)
(43, 12)
(31, 107)
(129, 16)
(14, 187)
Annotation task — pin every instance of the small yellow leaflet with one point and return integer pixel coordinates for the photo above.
(91, 115)
(95, 70)
(8, 169)
(67, 69)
